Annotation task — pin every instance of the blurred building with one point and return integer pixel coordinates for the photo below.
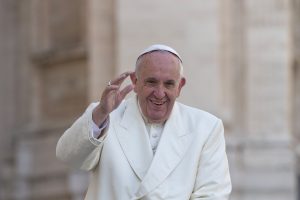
(241, 60)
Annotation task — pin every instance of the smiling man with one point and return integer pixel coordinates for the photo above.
(157, 83)
(149, 146)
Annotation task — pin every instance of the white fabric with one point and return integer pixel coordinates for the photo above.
(155, 132)
(161, 47)
(190, 160)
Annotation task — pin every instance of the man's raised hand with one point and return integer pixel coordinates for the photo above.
(111, 98)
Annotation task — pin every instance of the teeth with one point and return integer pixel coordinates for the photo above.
(157, 103)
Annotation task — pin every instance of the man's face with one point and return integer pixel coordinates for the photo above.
(157, 84)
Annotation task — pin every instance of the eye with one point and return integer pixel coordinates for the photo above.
(151, 82)
(169, 84)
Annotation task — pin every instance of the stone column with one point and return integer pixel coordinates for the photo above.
(101, 45)
(52, 63)
(232, 64)
(8, 51)
(266, 152)
(233, 79)
(295, 43)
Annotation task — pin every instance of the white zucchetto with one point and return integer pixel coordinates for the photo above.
(160, 47)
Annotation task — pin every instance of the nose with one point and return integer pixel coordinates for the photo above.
(159, 92)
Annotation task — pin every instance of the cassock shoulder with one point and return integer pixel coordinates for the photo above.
(196, 119)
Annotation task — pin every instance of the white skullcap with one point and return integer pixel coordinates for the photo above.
(159, 47)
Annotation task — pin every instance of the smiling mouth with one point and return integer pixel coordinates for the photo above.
(158, 103)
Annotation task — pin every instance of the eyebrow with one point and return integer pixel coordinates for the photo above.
(170, 81)
(150, 78)
(155, 79)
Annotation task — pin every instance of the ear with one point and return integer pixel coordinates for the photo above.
(181, 84)
(133, 80)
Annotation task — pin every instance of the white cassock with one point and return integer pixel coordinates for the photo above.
(190, 161)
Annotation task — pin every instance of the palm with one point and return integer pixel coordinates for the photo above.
(112, 100)
(112, 95)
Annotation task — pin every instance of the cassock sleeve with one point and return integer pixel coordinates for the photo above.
(77, 146)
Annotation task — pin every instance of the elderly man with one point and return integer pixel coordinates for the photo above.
(149, 147)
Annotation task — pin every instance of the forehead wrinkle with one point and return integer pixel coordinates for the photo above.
(148, 58)
(162, 79)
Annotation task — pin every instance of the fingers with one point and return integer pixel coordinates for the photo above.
(118, 81)
(126, 90)
(109, 89)
(113, 94)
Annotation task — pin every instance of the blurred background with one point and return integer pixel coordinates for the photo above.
(241, 60)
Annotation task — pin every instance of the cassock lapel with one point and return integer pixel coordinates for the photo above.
(172, 147)
(134, 139)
